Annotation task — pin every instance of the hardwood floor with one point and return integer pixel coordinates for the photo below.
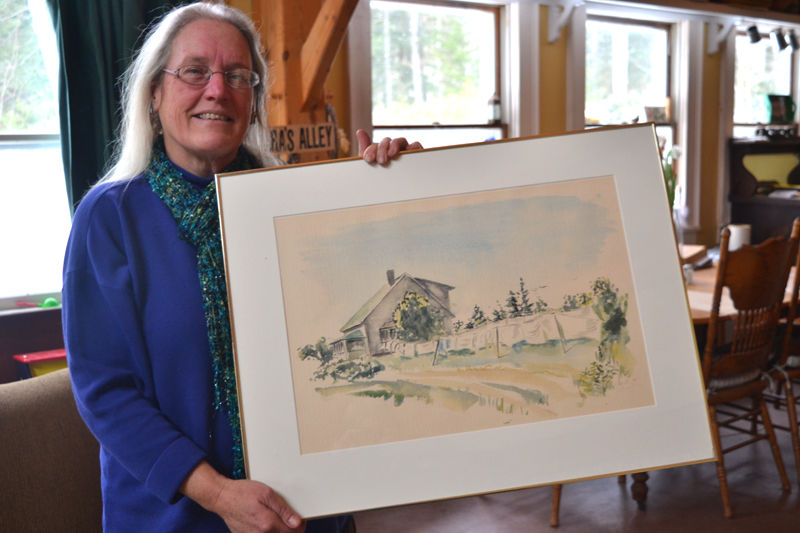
(684, 499)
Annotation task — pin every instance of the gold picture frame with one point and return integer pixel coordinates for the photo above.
(574, 357)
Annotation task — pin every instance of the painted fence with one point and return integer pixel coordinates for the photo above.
(535, 329)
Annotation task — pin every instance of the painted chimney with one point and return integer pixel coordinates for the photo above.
(390, 277)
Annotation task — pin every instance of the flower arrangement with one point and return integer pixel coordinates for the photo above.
(670, 176)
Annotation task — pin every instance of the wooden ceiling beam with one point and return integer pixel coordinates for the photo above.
(302, 38)
(320, 48)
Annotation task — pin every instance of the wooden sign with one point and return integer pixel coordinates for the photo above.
(299, 138)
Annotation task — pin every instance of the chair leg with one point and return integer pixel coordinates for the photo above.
(554, 513)
(792, 412)
(776, 451)
(777, 399)
(721, 475)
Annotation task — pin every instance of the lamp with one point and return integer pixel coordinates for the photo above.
(754, 34)
(793, 40)
(779, 38)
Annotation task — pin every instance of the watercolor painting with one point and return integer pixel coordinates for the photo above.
(462, 313)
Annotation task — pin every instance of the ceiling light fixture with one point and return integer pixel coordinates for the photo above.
(779, 39)
(793, 40)
(754, 34)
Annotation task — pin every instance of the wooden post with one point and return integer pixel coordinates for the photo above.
(301, 39)
(320, 47)
(436, 352)
(497, 340)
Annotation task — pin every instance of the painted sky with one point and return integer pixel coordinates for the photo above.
(556, 243)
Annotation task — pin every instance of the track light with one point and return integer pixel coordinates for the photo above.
(779, 39)
(754, 34)
(793, 40)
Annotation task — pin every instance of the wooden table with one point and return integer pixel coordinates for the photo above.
(701, 295)
(691, 252)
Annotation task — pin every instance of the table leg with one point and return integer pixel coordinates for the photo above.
(639, 489)
(556, 505)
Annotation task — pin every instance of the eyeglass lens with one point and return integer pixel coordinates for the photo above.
(239, 78)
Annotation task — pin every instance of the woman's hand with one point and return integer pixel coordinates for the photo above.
(383, 151)
(246, 506)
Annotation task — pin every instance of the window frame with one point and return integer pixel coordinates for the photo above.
(687, 53)
(667, 28)
(496, 10)
(31, 141)
(793, 72)
(28, 301)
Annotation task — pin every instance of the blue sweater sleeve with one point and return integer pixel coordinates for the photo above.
(108, 356)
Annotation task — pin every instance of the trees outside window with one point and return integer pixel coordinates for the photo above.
(628, 75)
(33, 207)
(435, 68)
(27, 95)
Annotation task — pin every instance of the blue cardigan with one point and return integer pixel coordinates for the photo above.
(138, 353)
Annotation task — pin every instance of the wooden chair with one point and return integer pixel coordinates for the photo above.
(755, 277)
(787, 371)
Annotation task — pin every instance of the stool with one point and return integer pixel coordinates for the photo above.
(39, 363)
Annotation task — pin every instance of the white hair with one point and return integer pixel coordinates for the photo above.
(139, 128)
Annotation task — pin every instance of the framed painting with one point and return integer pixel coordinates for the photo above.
(466, 320)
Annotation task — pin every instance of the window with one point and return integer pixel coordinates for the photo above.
(761, 69)
(628, 74)
(34, 213)
(435, 71)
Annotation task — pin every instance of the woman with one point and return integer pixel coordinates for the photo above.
(145, 306)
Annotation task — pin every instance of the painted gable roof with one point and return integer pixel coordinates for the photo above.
(367, 308)
(373, 302)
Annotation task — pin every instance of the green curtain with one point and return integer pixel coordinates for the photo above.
(96, 42)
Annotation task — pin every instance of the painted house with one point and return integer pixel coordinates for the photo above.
(371, 330)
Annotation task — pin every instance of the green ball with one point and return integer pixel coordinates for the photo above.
(50, 302)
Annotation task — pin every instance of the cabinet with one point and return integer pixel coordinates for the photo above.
(769, 217)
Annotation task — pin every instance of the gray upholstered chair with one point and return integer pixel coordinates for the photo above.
(49, 461)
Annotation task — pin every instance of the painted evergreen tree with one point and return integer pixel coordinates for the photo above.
(478, 318)
(512, 304)
(499, 314)
(524, 302)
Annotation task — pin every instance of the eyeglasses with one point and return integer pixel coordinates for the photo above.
(238, 78)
